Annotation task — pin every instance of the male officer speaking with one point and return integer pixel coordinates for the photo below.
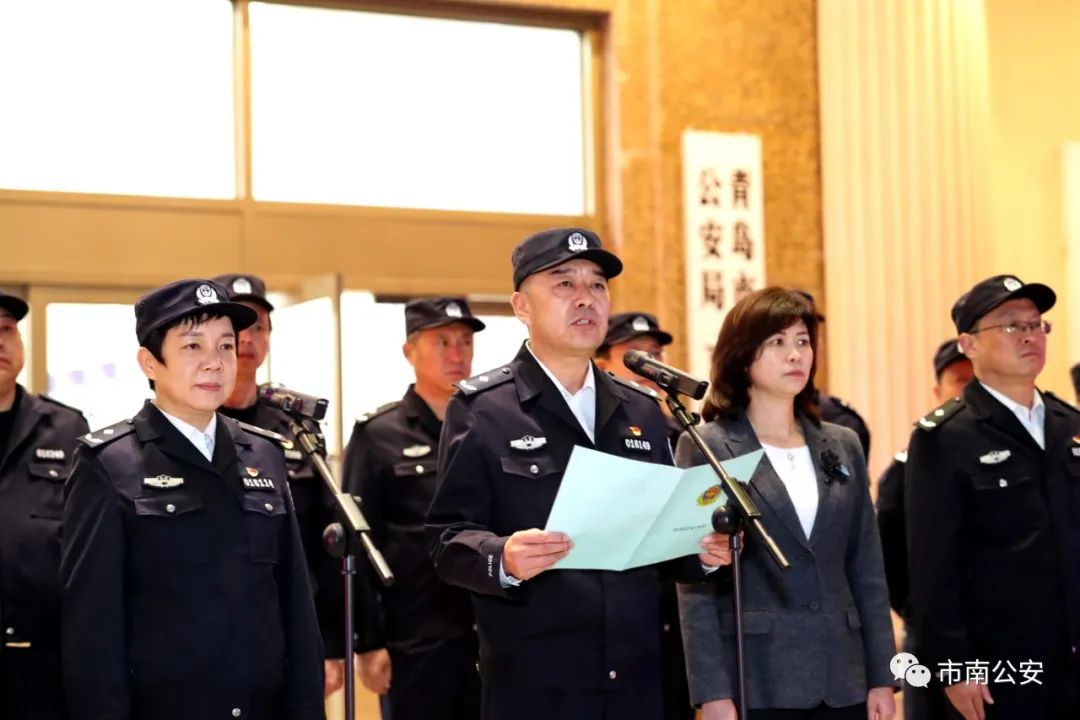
(37, 439)
(993, 519)
(566, 644)
(186, 594)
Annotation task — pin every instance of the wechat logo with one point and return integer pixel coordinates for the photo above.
(906, 667)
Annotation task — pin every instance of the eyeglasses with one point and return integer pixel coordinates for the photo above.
(1042, 327)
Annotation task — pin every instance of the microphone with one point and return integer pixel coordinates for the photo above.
(670, 379)
(292, 402)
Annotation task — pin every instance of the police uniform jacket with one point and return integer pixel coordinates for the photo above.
(186, 593)
(890, 516)
(390, 463)
(838, 412)
(506, 441)
(314, 511)
(33, 467)
(818, 632)
(993, 525)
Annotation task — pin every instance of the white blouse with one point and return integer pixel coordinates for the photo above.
(796, 470)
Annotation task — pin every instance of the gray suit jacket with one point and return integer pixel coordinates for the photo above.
(819, 632)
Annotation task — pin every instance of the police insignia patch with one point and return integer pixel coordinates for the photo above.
(528, 442)
(163, 482)
(205, 295)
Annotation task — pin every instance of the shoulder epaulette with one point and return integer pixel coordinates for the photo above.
(647, 391)
(485, 381)
(901, 457)
(372, 414)
(939, 416)
(56, 402)
(97, 438)
(270, 435)
(1064, 403)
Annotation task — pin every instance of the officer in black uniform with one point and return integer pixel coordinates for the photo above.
(833, 409)
(424, 639)
(952, 372)
(636, 331)
(993, 517)
(640, 331)
(186, 594)
(37, 439)
(314, 508)
(563, 644)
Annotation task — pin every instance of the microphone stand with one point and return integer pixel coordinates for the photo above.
(341, 539)
(739, 513)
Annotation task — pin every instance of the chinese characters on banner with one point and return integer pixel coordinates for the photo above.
(724, 231)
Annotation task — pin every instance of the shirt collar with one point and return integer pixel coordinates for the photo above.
(1036, 410)
(590, 379)
(188, 430)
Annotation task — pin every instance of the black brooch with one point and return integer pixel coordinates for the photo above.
(834, 469)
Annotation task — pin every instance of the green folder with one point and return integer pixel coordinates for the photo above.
(623, 513)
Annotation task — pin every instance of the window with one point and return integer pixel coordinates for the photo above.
(386, 110)
(118, 96)
(91, 359)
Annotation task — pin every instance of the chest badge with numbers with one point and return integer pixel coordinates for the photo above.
(163, 482)
(415, 451)
(528, 442)
(257, 483)
(995, 457)
(635, 443)
(49, 454)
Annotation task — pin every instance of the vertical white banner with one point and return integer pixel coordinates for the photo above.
(724, 233)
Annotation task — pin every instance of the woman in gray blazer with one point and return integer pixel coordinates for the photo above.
(818, 636)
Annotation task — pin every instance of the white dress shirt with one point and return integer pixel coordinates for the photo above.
(1033, 418)
(796, 470)
(582, 403)
(202, 440)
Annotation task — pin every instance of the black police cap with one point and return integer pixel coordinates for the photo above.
(991, 292)
(245, 288)
(187, 297)
(629, 325)
(425, 313)
(549, 248)
(947, 353)
(14, 305)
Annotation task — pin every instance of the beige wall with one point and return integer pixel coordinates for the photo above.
(666, 66)
(721, 65)
(1034, 75)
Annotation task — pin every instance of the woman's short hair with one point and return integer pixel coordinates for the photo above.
(748, 324)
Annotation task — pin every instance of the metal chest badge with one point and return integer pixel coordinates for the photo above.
(415, 451)
(163, 482)
(995, 457)
(528, 442)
